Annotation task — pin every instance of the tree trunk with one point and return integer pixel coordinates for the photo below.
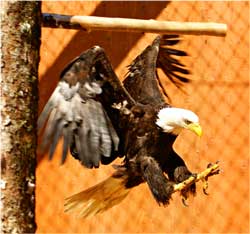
(21, 29)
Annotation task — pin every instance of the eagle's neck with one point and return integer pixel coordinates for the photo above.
(173, 130)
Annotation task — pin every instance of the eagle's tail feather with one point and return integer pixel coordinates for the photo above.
(98, 198)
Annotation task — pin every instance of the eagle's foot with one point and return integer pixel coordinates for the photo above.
(205, 179)
(212, 169)
(215, 168)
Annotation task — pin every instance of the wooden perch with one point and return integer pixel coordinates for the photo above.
(89, 23)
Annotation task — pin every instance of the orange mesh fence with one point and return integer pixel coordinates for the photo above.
(219, 94)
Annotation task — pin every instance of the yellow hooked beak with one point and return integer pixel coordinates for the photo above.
(196, 128)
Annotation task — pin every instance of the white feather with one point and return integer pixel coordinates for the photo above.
(173, 120)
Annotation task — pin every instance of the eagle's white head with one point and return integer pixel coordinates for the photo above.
(173, 120)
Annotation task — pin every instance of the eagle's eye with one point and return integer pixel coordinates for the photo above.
(186, 121)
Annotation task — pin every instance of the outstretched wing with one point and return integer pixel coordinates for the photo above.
(142, 80)
(80, 110)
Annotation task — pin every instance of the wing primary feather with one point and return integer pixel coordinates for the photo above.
(44, 115)
(177, 82)
(170, 60)
(79, 148)
(172, 68)
(105, 138)
(93, 141)
(179, 69)
(82, 145)
(171, 75)
(58, 133)
(174, 81)
(90, 125)
(88, 140)
(162, 87)
(94, 134)
(176, 52)
(49, 131)
(67, 139)
(170, 42)
(164, 56)
(170, 36)
(106, 141)
(47, 109)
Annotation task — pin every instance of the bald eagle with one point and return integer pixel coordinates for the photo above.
(100, 119)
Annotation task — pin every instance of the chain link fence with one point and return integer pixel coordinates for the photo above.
(219, 94)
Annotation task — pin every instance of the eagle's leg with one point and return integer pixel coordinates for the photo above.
(182, 173)
(189, 189)
(159, 185)
(178, 172)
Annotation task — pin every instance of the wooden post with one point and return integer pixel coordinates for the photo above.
(20, 35)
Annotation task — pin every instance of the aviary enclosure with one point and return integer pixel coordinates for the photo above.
(219, 94)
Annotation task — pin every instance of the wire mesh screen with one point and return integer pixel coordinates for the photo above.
(219, 94)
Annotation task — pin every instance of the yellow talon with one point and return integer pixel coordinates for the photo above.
(205, 185)
(184, 199)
